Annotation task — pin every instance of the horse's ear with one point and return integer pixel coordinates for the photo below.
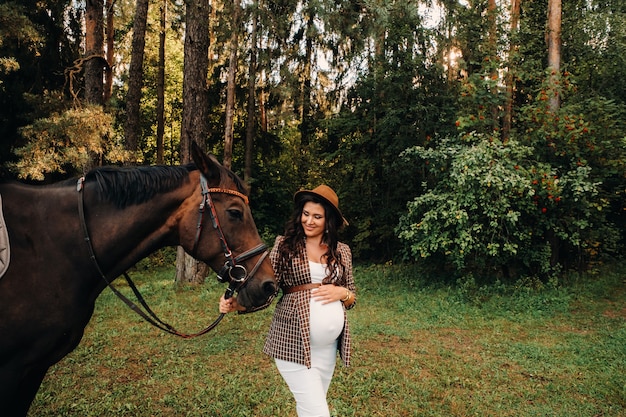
(209, 166)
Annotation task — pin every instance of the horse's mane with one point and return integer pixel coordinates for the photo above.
(126, 186)
(241, 187)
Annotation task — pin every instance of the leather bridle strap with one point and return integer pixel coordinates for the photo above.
(238, 283)
(148, 315)
(239, 278)
(206, 199)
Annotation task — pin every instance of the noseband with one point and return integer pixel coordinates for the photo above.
(233, 271)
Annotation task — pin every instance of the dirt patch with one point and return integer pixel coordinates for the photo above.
(617, 313)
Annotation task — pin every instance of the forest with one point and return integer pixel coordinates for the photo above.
(476, 138)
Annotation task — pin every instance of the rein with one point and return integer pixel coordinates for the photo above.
(232, 272)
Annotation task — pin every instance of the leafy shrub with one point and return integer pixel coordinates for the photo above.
(472, 216)
(547, 199)
(68, 142)
(494, 210)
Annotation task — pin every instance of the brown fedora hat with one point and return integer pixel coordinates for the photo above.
(325, 193)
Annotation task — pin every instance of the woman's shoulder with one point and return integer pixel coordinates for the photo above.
(277, 243)
(343, 247)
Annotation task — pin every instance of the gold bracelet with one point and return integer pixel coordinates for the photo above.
(347, 296)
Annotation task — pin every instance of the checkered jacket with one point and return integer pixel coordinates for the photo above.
(289, 335)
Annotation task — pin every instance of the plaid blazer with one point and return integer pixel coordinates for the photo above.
(289, 337)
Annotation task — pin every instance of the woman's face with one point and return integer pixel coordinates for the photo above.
(313, 219)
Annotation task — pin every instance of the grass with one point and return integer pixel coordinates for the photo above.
(419, 350)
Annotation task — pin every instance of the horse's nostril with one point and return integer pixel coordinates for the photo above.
(269, 288)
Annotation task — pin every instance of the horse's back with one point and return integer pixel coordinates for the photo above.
(39, 289)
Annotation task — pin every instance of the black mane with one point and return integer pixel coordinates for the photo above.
(126, 186)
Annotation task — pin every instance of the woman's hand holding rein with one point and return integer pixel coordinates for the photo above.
(229, 305)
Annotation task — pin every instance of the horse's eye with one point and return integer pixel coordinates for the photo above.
(235, 214)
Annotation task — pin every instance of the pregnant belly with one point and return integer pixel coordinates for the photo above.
(326, 322)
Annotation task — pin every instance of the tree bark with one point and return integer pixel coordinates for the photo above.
(110, 51)
(305, 92)
(492, 15)
(554, 50)
(213, 27)
(94, 47)
(195, 112)
(510, 79)
(554, 68)
(262, 110)
(230, 89)
(251, 122)
(195, 126)
(132, 129)
(305, 110)
(160, 116)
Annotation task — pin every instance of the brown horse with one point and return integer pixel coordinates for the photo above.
(64, 238)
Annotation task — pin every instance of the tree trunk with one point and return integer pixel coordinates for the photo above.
(230, 89)
(160, 116)
(305, 92)
(213, 27)
(306, 117)
(510, 79)
(110, 53)
(188, 270)
(554, 67)
(195, 112)
(262, 110)
(195, 126)
(554, 50)
(94, 51)
(132, 129)
(251, 122)
(492, 15)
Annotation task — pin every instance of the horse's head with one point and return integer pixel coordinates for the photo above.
(223, 234)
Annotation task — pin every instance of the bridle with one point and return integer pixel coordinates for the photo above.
(232, 272)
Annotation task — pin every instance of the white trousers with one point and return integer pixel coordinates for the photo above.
(309, 386)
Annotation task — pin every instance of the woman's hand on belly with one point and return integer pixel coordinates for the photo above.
(328, 293)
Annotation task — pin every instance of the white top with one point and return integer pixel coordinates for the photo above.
(326, 319)
(318, 272)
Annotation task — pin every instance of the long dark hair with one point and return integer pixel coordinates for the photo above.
(294, 240)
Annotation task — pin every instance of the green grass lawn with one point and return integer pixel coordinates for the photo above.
(419, 350)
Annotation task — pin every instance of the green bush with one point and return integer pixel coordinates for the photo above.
(545, 200)
(472, 217)
(494, 210)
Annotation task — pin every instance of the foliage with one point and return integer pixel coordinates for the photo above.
(273, 183)
(343, 88)
(39, 39)
(173, 99)
(67, 142)
(399, 102)
(526, 207)
(15, 26)
(584, 144)
(475, 214)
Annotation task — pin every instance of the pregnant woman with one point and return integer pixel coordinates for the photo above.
(310, 325)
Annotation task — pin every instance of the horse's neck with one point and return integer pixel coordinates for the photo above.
(122, 237)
